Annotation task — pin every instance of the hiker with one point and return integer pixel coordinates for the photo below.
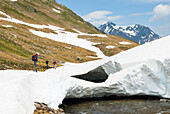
(35, 59)
(47, 63)
(54, 64)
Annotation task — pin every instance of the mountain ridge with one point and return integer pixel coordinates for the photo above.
(138, 33)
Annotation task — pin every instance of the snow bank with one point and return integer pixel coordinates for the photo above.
(159, 49)
(19, 89)
(140, 80)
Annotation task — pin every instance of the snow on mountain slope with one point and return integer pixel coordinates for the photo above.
(58, 11)
(143, 70)
(138, 33)
(33, 23)
(73, 39)
(62, 35)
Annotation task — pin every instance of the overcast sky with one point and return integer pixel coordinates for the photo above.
(152, 13)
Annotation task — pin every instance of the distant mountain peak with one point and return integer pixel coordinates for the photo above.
(138, 33)
(110, 23)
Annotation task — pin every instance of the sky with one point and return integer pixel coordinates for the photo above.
(152, 13)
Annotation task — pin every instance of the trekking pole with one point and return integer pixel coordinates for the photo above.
(42, 67)
(39, 66)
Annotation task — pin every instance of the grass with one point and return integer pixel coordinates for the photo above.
(18, 45)
(70, 30)
(16, 65)
(50, 49)
(109, 40)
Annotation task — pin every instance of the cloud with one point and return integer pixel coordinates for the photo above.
(100, 22)
(138, 14)
(96, 15)
(114, 17)
(100, 17)
(160, 12)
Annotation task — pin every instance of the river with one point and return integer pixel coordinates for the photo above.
(117, 105)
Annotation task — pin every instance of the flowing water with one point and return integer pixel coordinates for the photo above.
(117, 105)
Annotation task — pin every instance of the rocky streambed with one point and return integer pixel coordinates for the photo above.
(117, 105)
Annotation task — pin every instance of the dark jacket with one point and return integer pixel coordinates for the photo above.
(47, 62)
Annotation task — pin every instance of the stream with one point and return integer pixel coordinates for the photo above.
(117, 105)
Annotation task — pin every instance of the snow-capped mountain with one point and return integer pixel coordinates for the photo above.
(138, 33)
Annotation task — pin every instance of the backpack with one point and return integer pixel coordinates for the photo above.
(54, 62)
(34, 57)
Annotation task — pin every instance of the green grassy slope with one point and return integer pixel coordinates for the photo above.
(18, 44)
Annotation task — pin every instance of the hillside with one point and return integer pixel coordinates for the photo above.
(19, 20)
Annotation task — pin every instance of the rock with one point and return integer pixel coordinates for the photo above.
(60, 111)
(42, 108)
(2, 68)
(165, 100)
(7, 67)
(37, 105)
(79, 59)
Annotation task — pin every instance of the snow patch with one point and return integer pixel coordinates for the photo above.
(4, 14)
(56, 10)
(91, 56)
(110, 47)
(143, 37)
(124, 43)
(7, 26)
(71, 38)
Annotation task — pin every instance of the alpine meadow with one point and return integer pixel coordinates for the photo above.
(18, 43)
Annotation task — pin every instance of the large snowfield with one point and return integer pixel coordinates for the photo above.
(143, 70)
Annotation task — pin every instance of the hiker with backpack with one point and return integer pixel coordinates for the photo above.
(54, 64)
(35, 59)
(47, 63)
